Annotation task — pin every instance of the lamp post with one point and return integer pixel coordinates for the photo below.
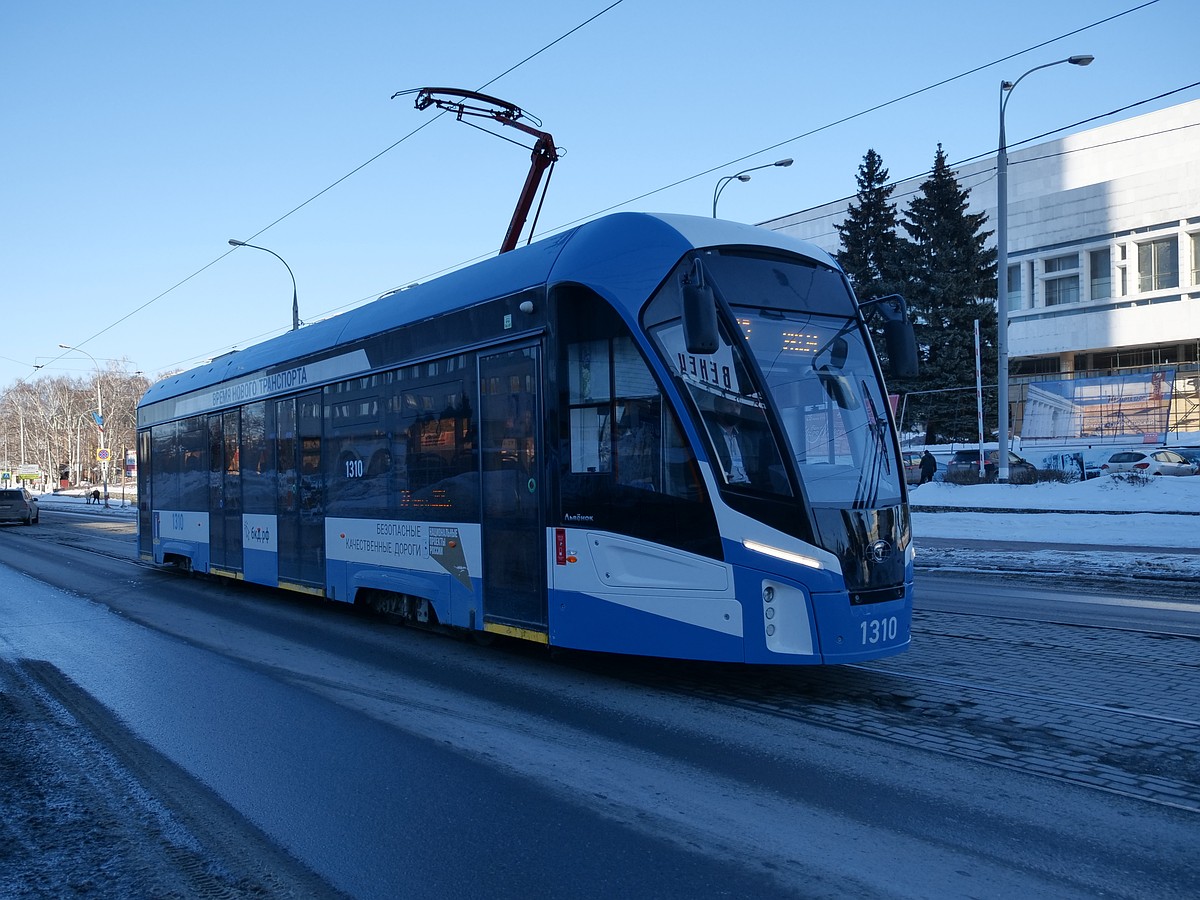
(101, 451)
(295, 304)
(1006, 89)
(743, 175)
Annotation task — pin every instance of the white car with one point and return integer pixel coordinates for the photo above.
(1147, 462)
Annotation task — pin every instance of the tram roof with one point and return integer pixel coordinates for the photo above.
(647, 245)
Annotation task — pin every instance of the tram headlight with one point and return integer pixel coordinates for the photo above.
(785, 555)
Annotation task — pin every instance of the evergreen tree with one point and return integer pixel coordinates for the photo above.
(952, 281)
(870, 246)
(871, 249)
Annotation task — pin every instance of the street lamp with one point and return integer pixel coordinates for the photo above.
(99, 420)
(1006, 89)
(295, 304)
(743, 175)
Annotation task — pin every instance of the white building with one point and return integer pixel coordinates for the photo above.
(1104, 273)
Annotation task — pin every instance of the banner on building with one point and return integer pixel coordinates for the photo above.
(1105, 406)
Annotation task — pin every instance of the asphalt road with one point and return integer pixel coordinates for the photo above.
(234, 741)
(1086, 602)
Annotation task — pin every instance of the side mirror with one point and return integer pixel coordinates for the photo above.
(898, 335)
(699, 315)
(901, 343)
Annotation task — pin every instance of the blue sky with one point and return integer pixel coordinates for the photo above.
(141, 136)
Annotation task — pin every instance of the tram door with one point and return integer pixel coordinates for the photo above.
(300, 496)
(225, 492)
(510, 407)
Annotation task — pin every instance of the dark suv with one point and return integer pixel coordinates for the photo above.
(18, 505)
(963, 467)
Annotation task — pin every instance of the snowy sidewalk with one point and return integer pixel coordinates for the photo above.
(79, 501)
(1103, 528)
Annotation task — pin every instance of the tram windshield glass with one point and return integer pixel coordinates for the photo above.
(798, 357)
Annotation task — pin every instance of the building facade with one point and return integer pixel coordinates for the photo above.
(1104, 277)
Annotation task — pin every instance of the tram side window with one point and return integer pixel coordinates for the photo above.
(258, 465)
(312, 482)
(178, 471)
(232, 452)
(145, 491)
(615, 413)
(401, 443)
(164, 451)
(193, 473)
(625, 462)
(285, 455)
(360, 476)
(617, 422)
(588, 368)
(436, 423)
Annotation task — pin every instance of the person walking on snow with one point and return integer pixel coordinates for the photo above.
(928, 467)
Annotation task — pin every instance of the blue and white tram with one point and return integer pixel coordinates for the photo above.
(658, 435)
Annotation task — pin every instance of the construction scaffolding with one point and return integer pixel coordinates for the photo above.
(1159, 405)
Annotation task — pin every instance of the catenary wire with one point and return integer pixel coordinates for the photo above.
(833, 124)
(639, 197)
(859, 114)
(334, 184)
(981, 178)
(984, 177)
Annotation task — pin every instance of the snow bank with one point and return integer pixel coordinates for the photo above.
(1104, 494)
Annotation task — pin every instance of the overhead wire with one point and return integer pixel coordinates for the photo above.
(859, 114)
(705, 172)
(840, 121)
(984, 177)
(426, 123)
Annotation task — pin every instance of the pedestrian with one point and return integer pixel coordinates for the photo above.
(928, 466)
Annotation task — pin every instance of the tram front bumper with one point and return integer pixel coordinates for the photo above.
(849, 633)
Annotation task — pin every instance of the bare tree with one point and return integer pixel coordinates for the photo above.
(49, 423)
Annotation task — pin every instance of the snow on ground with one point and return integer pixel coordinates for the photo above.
(1161, 519)
(77, 499)
(1164, 513)
(1103, 494)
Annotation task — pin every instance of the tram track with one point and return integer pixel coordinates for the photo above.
(1100, 772)
(1142, 752)
(112, 540)
(1065, 622)
(1036, 698)
(1095, 706)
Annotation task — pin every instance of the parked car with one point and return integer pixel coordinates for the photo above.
(912, 467)
(964, 467)
(1191, 454)
(1147, 462)
(18, 505)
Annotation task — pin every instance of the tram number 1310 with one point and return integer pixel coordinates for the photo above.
(875, 631)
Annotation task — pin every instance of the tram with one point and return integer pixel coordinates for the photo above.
(651, 434)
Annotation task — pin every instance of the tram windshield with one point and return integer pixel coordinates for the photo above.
(799, 355)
